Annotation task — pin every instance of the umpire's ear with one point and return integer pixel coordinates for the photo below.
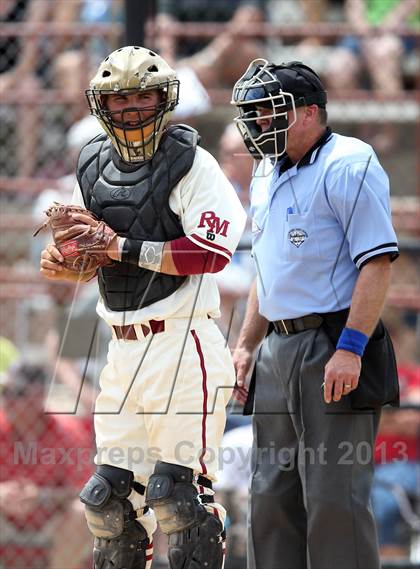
(310, 114)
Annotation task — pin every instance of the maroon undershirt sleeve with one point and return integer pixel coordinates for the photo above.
(191, 259)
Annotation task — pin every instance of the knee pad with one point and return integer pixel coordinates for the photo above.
(174, 498)
(195, 536)
(120, 540)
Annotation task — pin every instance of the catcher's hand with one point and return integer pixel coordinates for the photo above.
(52, 268)
(81, 240)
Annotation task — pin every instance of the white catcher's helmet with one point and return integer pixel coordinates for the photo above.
(125, 71)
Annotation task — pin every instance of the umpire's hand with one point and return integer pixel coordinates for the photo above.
(342, 374)
(242, 361)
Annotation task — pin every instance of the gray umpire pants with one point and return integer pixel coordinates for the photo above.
(312, 464)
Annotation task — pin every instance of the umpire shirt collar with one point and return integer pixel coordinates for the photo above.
(309, 157)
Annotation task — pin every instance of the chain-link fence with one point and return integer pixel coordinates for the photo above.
(48, 52)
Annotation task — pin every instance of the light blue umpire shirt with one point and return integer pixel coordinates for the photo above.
(315, 224)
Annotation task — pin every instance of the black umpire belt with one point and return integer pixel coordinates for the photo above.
(295, 325)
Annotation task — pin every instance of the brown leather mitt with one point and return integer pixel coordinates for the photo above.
(82, 242)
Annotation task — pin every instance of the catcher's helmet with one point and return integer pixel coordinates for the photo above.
(125, 71)
(280, 88)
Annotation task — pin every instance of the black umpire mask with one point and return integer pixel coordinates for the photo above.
(281, 89)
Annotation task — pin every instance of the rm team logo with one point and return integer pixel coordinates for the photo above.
(215, 224)
(297, 237)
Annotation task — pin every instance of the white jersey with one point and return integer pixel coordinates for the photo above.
(213, 218)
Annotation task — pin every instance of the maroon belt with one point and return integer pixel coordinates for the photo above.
(128, 332)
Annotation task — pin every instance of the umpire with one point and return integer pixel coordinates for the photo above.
(323, 244)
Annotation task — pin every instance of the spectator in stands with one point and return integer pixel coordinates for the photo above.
(236, 162)
(44, 460)
(313, 48)
(31, 63)
(235, 12)
(18, 66)
(205, 64)
(378, 48)
(74, 59)
(232, 485)
(75, 366)
(27, 65)
(68, 344)
(79, 134)
(397, 469)
(73, 65)
(397, 446)
(101, 12)
(8, 354)
(234, 281)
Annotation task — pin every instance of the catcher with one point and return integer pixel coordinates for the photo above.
(153, 216)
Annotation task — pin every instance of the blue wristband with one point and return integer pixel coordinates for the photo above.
(352, 341)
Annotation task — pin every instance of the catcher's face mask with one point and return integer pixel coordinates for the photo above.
(133, 95)
(280, 89)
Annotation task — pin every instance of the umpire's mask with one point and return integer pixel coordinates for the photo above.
(279, 88)
(127, 71)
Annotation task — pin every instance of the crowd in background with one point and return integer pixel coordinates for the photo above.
(52, 349)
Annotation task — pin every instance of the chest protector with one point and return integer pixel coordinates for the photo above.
(134, 201)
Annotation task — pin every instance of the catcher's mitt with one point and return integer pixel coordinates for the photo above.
(83, 245)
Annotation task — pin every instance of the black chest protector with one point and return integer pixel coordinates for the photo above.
(134, 201)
